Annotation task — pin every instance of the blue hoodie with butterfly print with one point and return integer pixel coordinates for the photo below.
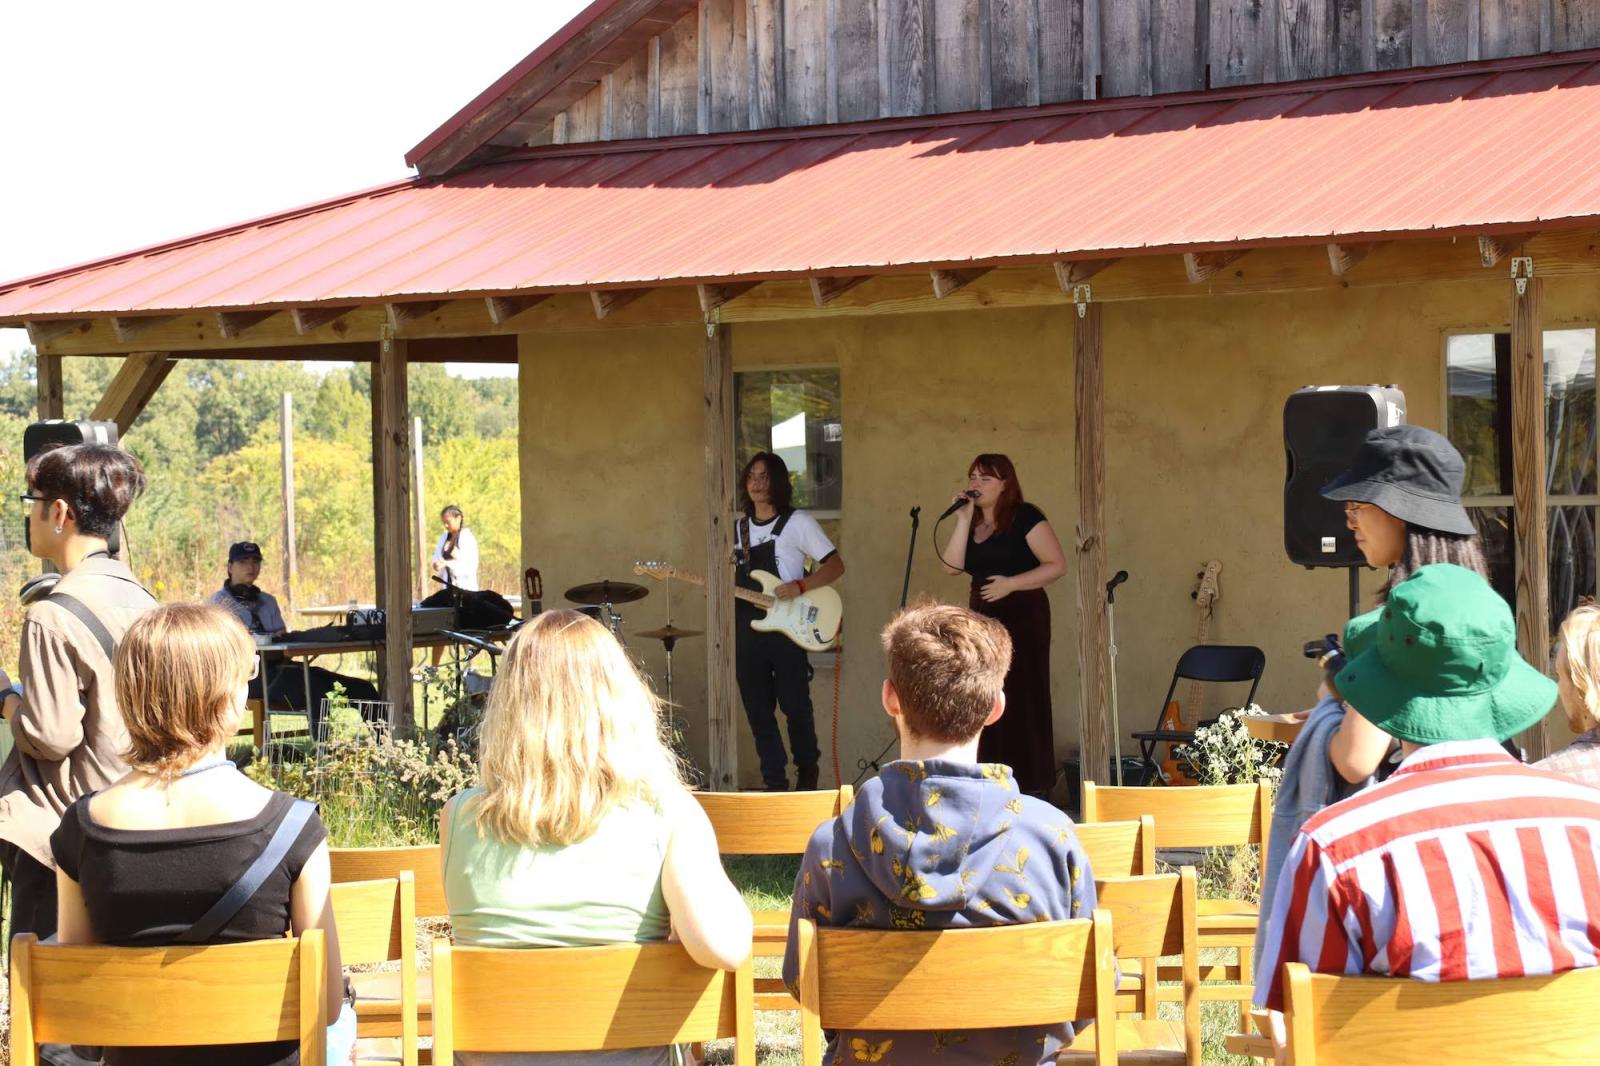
(939, 844)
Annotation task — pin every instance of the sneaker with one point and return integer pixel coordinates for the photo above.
(806, 779)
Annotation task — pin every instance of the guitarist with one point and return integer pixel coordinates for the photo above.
(772, 670)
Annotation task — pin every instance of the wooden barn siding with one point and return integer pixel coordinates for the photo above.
(753, 64)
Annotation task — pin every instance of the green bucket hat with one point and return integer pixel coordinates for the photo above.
(1439, 662)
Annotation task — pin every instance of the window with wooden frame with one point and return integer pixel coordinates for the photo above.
(796, 412)
(1478, 421)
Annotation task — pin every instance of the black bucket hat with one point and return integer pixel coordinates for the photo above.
(1410, 472)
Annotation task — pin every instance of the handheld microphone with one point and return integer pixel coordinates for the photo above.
(966, 498)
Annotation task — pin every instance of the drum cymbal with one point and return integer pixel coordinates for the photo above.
(670, 633)
(598, 592)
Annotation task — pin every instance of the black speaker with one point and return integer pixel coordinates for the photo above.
(56, 433)
(1323, 426)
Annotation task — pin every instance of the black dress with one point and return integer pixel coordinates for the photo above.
(1024, 737)
(145, 887)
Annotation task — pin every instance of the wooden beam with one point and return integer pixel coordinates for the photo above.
(127, 329)
(721, 692)
(609, 301)
(52, 393)
(1094, 640)
(1528, 488)
(1495, 248)
(825, 290)
(400, 314)
(1070, 272)
(308, 319)
(1342, 258)
(391, 502)
(714, 296)
(234, 323)
(291, 565)
(1202, 266)
(46, 330)
(130, 390)
(948, 282)
(503, 309)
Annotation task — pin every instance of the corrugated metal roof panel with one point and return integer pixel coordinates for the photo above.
(1486, 145)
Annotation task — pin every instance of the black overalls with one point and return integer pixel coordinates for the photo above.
(772, 670)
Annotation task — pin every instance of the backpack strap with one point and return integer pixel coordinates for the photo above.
(233, 900)
(76, 607)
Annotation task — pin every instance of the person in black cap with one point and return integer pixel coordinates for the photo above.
(1402, 498)
(258, 610)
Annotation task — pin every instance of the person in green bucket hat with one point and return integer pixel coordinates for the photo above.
(1464, 863)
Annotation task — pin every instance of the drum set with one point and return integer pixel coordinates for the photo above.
(600, 600)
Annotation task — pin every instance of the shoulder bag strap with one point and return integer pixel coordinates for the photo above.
(83, 614)
(233, 901)
(783, 520)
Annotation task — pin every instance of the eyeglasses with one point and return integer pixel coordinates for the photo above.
(29, 500)
(1352, 508)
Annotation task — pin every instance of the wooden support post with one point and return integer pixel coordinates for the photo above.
(419, 491)
(137, 380)
(1528, 483)
(52, 392)
(291, 568)
(1094, 651)
(721, 692)
(391, 491)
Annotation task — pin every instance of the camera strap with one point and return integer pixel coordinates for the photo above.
(77, 609)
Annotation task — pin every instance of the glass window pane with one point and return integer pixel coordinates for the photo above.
(797, 414)
(1572, 560)
(1474, 411)
(1569, 411)
(1499, 548)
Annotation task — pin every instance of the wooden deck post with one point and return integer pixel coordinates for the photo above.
(391, 494)
(291, 566)
(1528, 481)
(52, 393)
(1094, 724)
(721, 692)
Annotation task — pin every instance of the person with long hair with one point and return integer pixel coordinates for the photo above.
(582, 831)
(1578, 683)
(68, 732)
(772, 670)
(141, 863)
(455, 557)
(1006, 546)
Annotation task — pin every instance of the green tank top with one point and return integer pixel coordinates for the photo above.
(605, 889)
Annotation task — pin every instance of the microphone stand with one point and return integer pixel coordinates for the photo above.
(905, 592)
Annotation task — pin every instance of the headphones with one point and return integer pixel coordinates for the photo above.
(38, 587)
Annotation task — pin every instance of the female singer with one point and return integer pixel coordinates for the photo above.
(1011, 553)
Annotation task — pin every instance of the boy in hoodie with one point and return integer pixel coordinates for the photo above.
(940, 841)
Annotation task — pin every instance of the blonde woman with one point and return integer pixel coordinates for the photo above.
(1578, 682)
(582, 832)
(145, 861)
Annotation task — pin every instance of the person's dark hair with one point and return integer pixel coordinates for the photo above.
(997, 465)
(778, 485)
(99, 482)
(1427, 546)
(451, 510)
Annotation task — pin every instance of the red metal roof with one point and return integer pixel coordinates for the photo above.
(1451, 150)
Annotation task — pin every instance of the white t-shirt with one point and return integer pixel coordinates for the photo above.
(464, 567)
(802, 538)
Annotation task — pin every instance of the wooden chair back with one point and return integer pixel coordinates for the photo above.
(770, 823)
(585, 999)
(1119, 849)
(1152, 916)
(251, 993)
(1204, 816)
(375, 864)
(1356, 1021)
(1036, 974)
(377, 922)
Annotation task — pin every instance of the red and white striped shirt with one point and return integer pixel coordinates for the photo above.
(1465, 864)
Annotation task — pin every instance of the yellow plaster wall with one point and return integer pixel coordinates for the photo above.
(612, 454)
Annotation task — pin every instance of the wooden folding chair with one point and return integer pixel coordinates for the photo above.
(378, 995)
(771, 823)
(1397, 1021)
(377, 922)
(1151, 916)
(586, 999)
(1037, 974)
(229, 994)
(1123, 849)
(1206, 816)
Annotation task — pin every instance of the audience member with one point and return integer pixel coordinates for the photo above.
(1464, 864)
(68, 734)
(145, 861)
(940, 841)
(1578, 681)
(582, 832)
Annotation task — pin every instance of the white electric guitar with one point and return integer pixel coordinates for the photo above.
(810, 619)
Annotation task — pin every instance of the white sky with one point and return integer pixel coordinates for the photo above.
(125, 124)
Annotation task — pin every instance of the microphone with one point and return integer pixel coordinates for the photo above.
(966, 498)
